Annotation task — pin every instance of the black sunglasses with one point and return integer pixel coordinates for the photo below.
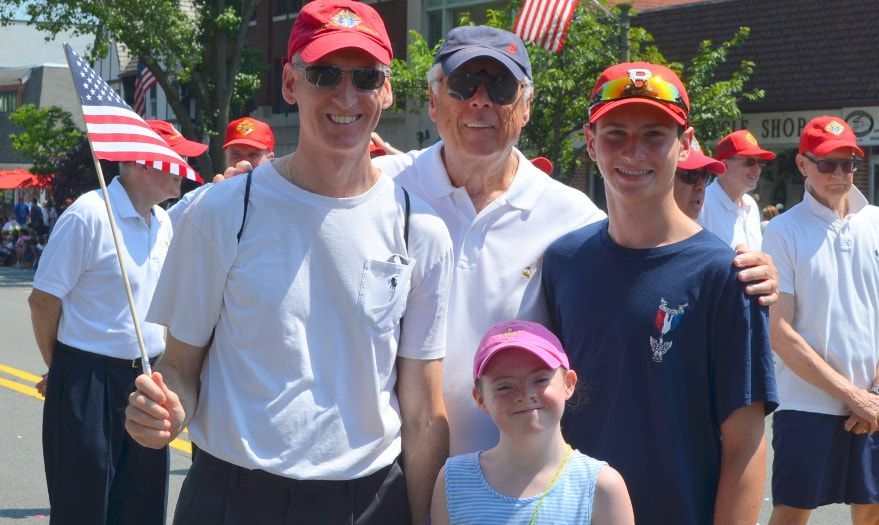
(363, 78)
(691, 176)
(752, 161)
(501, 88)
(828, 166)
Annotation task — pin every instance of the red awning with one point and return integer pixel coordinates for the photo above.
(19, 178)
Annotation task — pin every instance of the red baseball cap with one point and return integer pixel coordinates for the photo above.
(532, 337)
(825, 134)
(325, 26)
(180, 144)
(543, 164)
(375, 150)
(248, 131)
(742, 143)
(639, 83)
(698, 160)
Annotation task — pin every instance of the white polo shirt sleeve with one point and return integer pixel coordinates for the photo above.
(66, 256)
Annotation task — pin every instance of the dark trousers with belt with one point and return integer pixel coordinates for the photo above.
(95, 472)
(217, 492)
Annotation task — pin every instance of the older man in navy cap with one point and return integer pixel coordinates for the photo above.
(502, 212)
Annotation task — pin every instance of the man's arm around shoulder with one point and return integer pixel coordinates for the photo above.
(164, 403)
(425, 430)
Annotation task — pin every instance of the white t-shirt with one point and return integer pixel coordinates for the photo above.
(176, 212)
(498, 260)
(831, 267)
(299, 380)
(734, 224)
(79, 266)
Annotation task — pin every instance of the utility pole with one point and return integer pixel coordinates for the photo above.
(623, 23)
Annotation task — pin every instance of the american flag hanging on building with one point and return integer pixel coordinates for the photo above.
(142, 84)
(545, 22)
(115, 131)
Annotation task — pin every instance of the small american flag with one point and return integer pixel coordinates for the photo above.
(545, 22)
(142, 84)
(115, 131)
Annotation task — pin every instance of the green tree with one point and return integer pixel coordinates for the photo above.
(48, 134)
(563, 82)
(197, 43)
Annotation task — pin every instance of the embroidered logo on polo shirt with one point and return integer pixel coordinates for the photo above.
(346, 18)
(527, 272)
(245, 127)
(835, 128)
(751, 138)
(667, 319)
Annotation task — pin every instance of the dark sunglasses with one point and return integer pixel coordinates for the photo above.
(501, 88)
(752, 161)
(828, 166)
(691, 176)
(363, 78)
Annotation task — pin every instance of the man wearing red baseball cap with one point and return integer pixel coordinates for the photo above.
(692, 177)
(287, 356)
(656, 322)
(249, 143)
(825, 329)
(180, 144)
(729, 212)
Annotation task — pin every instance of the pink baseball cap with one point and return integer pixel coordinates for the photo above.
(325, 26)
(525, 335)
(698, 160)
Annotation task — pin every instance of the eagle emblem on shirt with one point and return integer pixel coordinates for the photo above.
(667, 319)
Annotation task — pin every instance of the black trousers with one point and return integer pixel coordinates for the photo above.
(217, 492)
(95, 472)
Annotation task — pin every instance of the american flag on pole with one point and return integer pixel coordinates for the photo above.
(142, 84)
(115, 131)
(545, 22)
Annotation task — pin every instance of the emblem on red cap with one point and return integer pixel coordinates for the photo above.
(834, 128)
(245, 127)
(346, 18)
(639, 76)
(694, 145)
(751, 138)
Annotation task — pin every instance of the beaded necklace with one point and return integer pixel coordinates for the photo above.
(550, 485)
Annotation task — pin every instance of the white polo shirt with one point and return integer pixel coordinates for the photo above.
(304, 318)
(79, 266)
(733, 223)
(831, 267)
(498, 260)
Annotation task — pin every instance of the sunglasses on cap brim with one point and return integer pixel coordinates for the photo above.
(502, 88)
(653, 87)
(363, 78)
(691, 176)
(828, 166)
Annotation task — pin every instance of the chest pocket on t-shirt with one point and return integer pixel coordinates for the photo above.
(384, 288)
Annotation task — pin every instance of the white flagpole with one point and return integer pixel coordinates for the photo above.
(145, 359)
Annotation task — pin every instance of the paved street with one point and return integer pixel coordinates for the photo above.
(23, 496)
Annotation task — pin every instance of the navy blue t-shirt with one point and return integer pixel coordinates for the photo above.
(666, 346)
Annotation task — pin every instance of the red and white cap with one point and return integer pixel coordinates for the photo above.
(825, 134)
(742, 143)
(668, 92)
(525, 335)
(698, 160)
(325, 26)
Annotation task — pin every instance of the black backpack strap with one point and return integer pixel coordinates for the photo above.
(406, 219)
(247, 203)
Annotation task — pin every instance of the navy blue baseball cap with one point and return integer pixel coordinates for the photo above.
(464, 43)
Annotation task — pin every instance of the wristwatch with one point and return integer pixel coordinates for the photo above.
(874, 390)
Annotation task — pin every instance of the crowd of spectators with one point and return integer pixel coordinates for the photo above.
(25, 231)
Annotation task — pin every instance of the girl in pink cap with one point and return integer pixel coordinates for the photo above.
(522, 381)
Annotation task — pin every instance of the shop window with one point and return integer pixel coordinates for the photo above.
(8, 101)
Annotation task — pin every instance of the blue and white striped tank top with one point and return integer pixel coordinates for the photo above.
(472, 500)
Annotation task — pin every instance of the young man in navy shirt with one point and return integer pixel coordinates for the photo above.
(675, 358)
